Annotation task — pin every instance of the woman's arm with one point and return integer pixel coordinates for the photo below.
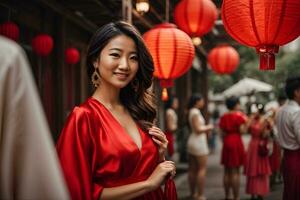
(199, 127)
(170, 122)
(133, 190)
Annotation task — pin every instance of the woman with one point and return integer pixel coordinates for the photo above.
(109, 147)
(232, 124)
(257, 167)
(197, 147)
(171, 123)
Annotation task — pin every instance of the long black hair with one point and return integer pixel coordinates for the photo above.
(231, 102)
(138, 99)
(194, 99)
(292, 83)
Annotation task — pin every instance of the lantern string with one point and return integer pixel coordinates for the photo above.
(167, 10)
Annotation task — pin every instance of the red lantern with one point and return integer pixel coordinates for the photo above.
(72, 56)
(42, 44)
(172, 51)
(223, 59)
(10, 30)
(195, 17)
(263, 24)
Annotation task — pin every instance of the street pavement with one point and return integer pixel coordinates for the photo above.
(213, 185)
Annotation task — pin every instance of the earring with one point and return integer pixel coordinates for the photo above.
(135, 84)
(96, 78)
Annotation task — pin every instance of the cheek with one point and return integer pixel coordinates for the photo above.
(135, 68)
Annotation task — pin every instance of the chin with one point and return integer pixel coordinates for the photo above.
(120, 85)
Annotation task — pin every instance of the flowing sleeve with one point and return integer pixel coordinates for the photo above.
(75, 153)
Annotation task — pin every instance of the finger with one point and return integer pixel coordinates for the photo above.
(171, 165)
(156, 131)
(158, 142)
(170, 162)
(155, 128)
(160, 135)
(173, 173)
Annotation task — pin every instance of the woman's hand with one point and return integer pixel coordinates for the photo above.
(161, 140)
(160, 174)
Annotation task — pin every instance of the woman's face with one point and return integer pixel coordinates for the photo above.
(175, 103)
(200, 103)
(118, 62)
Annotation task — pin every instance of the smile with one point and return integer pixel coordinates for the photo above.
(121, 75)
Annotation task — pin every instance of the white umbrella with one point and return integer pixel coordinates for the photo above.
(247, 86)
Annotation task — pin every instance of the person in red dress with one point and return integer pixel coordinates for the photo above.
(257, 167)
(232, 124)
(109, 147)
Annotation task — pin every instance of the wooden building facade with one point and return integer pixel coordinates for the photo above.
(71, 24)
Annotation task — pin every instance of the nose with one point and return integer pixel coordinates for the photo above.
(124, 64)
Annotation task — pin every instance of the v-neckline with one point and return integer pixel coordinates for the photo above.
(122, 127)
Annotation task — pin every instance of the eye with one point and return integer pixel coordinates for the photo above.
(134, 58)
(116, 55)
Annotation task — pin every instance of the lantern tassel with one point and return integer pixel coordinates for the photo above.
(164, 94)
(267, 56)
(267, 61)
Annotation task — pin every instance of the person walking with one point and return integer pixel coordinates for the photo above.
(257, 165)
(232, 124)
(288, 126)
(197, 147)
(109, 147)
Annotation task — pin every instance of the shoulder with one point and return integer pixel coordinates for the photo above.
(224, 116)
(81, 113)
(170, 111)
(194, 111)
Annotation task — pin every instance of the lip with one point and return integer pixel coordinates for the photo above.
(121, 76)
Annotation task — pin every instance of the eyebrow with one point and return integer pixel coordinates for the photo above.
(117, 49)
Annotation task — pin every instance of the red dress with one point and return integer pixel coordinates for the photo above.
(170, 138)
(96, 152)
(257, 168)
(275, 158)
(233, 149)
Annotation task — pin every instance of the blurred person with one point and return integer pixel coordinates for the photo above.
(197, 147)
(257, 166)
(212, 143)
(288, 126)
(275, 158)
(109, 147)
(29, 167)
(232, 124)
(171, 123)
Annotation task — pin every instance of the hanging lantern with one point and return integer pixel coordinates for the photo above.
(223, 59)
(172, 51)
(142, 6)
(42, 44)
(10, 30)
(72, 56)
(263, 24)
(195, 17)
